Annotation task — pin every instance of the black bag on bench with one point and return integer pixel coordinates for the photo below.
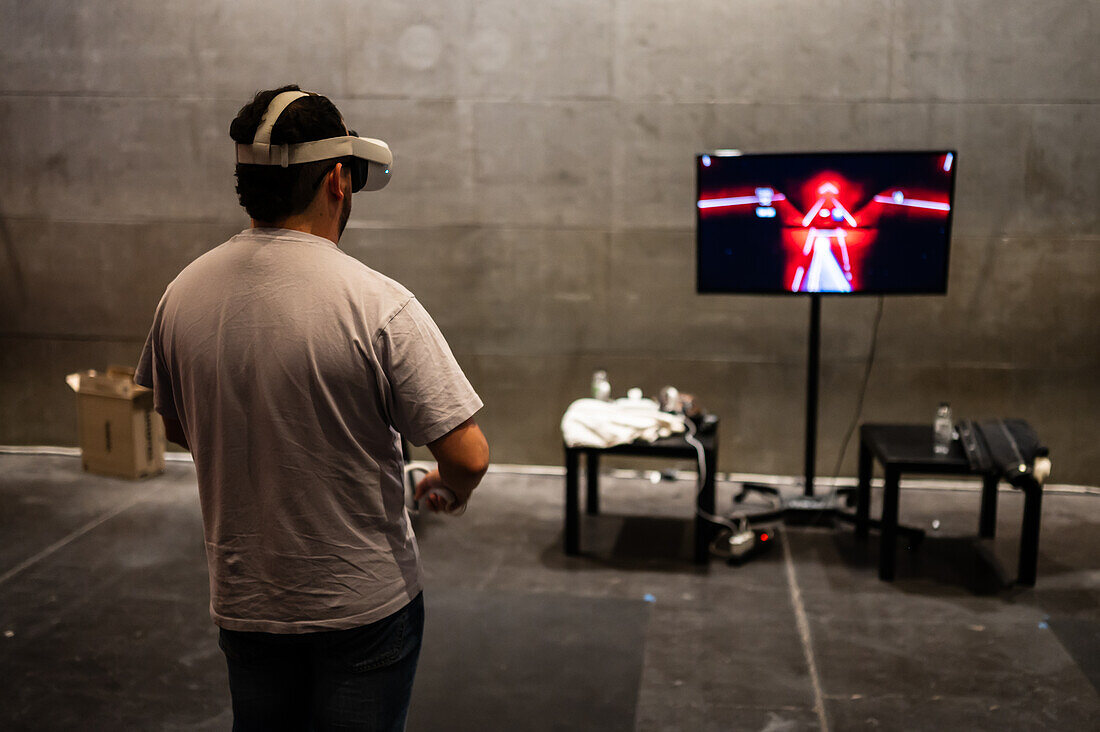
(1007, 446)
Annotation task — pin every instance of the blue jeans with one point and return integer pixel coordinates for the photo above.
(356, 679)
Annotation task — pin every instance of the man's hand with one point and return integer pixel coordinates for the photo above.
(435, 501)
(463, 457)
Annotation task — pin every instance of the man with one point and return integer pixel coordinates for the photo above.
(292, 371)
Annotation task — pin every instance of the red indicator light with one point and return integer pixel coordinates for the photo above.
(763, 537)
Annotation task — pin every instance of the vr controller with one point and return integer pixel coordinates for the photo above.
(413, 473)
(371, 160)
(450, 501)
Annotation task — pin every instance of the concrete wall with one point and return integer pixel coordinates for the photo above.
(541, 205)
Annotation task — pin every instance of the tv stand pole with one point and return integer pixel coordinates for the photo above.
(812, 373)
(806, 507)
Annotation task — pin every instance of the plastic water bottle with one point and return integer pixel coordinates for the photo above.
(601, 387)
(943, 430)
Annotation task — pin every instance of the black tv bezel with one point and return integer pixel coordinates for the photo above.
(722, 153)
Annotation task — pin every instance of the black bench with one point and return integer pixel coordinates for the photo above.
(907, 448)
(675, 447)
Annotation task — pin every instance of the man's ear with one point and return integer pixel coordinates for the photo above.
(333, 181)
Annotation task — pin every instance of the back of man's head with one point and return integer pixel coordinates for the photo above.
(270, 193)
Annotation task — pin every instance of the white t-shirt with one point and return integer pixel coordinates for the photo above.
(294, 370)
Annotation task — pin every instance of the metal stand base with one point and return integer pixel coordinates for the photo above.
(814, 511)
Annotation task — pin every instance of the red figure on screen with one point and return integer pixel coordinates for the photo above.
(819, 269)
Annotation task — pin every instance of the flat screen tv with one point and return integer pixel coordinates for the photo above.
(851, 222)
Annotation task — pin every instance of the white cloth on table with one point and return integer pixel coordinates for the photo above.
(595, 423)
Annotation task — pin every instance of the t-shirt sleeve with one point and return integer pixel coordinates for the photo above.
(152, 370)
(429, 394)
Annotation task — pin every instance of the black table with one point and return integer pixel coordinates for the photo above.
(907, 448)
(675, 447)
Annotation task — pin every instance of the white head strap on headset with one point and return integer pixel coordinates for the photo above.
(375, 154)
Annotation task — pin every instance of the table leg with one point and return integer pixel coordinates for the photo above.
(572, 507)
(889, 536)
(863, 492)
(592, 481)
(1029, 536)
(705, 503)
(987, 519)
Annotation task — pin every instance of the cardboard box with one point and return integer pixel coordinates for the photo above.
(120, 434)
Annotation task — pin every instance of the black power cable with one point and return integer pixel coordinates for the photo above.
(862, 389)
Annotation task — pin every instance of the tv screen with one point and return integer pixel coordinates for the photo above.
(856, 222)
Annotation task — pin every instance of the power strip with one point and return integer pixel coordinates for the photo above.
(741, 546)
(741, 543)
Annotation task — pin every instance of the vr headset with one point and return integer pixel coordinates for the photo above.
(371, 159)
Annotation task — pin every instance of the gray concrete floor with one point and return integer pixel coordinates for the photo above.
(103, 607)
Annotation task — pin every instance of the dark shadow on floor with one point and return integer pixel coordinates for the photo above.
(952, 562)
(1081, 638)
(516, 661)
(638, 543)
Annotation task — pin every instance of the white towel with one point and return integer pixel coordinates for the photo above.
(594, 423)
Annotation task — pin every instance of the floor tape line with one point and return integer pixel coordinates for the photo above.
(69, 538)
(804, 633)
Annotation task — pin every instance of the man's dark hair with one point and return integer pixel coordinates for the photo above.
(269, 192)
